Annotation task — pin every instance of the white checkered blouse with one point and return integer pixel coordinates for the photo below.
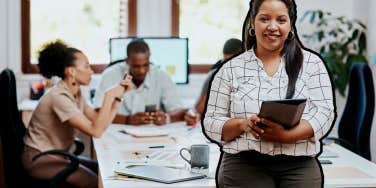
(241, 85)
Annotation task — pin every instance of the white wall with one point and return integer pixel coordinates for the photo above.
(154, 18)
(10, 35)
(371, 40)
(3, 34)
(338, 7)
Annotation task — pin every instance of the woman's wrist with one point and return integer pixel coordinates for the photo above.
(118, 99)
(242, 123)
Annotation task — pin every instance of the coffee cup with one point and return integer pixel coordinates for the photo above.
(199, 155)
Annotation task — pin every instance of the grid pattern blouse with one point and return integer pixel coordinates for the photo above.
(240, 86)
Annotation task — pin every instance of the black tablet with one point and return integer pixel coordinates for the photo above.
(286, 112)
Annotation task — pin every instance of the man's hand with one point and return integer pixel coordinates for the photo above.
(191, 119)
(159, 117)
(140, 118)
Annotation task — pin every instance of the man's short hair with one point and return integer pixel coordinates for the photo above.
(232, 46)
(137, 46)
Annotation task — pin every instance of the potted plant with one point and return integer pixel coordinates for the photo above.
(340, 41)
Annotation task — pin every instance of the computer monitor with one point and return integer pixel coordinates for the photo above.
(169, 54)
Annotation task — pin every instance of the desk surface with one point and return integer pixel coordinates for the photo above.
(114, 149)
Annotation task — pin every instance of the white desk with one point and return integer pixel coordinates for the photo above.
(27, 107)
(347, 170)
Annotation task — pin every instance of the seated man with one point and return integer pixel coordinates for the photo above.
(151, 87)
(231, 47)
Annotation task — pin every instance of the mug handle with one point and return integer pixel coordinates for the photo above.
(181, 154)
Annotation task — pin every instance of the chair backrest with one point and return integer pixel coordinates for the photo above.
(12, 131)
(364, 136)
(356, 121)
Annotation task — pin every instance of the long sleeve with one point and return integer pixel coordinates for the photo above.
(218, 106)
(320, 112)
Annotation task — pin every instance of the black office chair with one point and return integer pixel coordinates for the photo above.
(354, 128)
(12, 131)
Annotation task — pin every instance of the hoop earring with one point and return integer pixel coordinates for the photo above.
(291, 35)
(73, 81)
(251, 32)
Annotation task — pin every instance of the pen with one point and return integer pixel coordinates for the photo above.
(156, 146)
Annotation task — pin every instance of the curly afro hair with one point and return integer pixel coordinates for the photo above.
(54, 57)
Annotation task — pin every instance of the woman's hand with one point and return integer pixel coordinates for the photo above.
(119, 90)
(127, 83)
(274, 132)
(250, 125)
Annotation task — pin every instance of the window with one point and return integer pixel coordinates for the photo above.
(85, 24)
(208, 24)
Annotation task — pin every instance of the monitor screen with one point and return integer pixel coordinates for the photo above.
(169, 54)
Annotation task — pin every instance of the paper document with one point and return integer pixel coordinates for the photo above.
(145, 131)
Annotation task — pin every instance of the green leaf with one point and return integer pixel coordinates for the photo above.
(320, 35)
(355, 34)
(361, 24)
(320, 14)
(304, 16)
(322, 49)
(312, 17)
(203, 2)
(88, 9)
(357, 58)
(362, 42)
(349, 25)
(333, 33)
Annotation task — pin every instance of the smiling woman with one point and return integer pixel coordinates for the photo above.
(273, 67)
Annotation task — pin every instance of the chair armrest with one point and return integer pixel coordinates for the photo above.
(341, 142)
(60, 177)
(80, 147)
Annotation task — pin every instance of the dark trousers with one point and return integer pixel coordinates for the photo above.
(46, 167)
(253, 169)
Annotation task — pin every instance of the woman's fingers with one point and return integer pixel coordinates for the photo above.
(255, 118)
(257, 129)
(254, 133)
(126, 84)
(253, 128)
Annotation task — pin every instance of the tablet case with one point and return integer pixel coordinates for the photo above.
(286, 112)
(159, 173)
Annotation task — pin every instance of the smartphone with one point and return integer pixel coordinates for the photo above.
(125, 76)
(151, 108)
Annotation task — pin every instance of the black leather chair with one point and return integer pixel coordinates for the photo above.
(354, 128)
(12, 131)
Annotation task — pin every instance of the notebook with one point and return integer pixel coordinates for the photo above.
(159, 173)
(286, 112)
